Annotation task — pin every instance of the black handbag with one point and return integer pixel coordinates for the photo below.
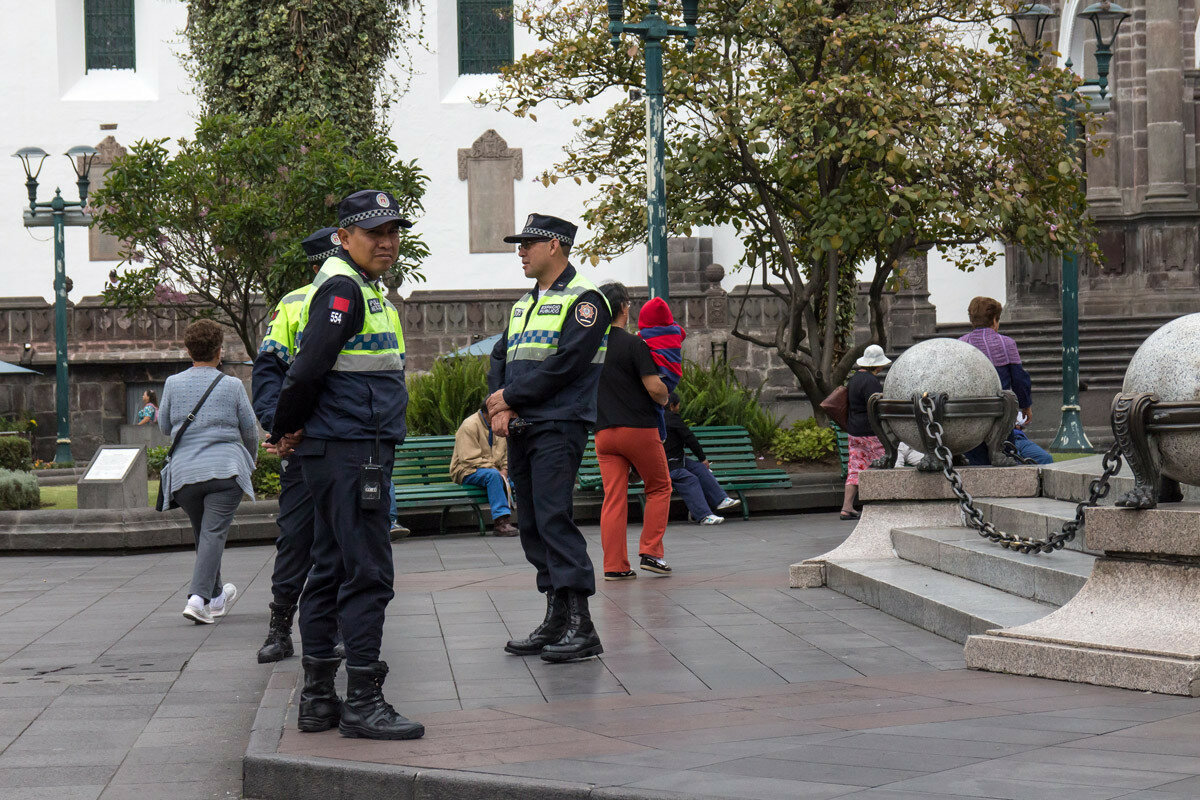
(159, 505)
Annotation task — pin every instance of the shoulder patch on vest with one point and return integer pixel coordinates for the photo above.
(339, 303)
(549, 309)
(274, 314)
(585, 314)
(518, 312)
(375, 306)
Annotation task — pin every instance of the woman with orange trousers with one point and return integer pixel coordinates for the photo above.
(627, 436)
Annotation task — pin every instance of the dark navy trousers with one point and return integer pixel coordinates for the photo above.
(351, 578)
(293, 547)
(547, 456)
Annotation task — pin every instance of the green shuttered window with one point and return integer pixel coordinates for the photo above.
(485, 35)
(108, 34)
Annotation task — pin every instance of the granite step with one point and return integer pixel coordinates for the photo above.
(1052, 578)
(1035, 517)
(944, 604)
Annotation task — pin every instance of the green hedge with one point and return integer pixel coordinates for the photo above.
(804, 440)
(18, 490)
(15, 453)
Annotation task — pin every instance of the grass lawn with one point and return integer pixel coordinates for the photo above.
(63, 497)
(1069, 456)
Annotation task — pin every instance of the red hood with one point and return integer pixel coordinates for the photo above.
(655, 313)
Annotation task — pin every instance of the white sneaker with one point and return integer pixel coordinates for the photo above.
(219, 606)
(197, 611)
(729, 502)
(712, 519)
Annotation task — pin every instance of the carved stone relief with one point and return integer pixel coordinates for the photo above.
(489, 167)
(103, 246)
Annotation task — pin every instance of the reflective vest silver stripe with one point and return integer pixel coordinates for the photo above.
(542, 354)
(295, 297)
(368, 362)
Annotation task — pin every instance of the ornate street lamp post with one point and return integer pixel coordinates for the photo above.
(58, 213)
(653, 30)
(1106, 19)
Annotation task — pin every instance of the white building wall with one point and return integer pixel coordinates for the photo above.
(53, 104)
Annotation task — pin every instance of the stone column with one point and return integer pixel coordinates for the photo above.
(910, 313)
(1165, 137)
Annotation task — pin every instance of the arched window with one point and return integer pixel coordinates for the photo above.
(485, 35)
(108, 34)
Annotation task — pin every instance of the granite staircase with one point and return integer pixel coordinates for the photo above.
(946, 578)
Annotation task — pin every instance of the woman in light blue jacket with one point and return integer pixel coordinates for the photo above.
(211, 467)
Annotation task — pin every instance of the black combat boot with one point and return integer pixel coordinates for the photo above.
(278, 645)
(579, 640)
(548, 632)
(366, 715)
(320, 707)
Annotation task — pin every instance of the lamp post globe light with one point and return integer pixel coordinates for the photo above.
(653, 30)
(59, 213)
(1030, 20)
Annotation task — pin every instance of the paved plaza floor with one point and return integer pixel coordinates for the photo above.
(717, 681)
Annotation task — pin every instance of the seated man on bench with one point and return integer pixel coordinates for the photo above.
(481, 459)
(694, 481)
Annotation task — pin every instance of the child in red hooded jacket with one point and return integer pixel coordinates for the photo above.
(658, 329)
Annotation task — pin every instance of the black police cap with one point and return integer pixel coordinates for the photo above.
(541, 226)
(321, 245)
(370, 209)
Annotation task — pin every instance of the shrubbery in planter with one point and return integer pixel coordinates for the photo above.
(266, 474)
(452, 390)
(715, 396)
(18, 490)
(15, 453)
(805, 440)
(156, 459)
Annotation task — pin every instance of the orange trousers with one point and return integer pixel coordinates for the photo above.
(616, 450)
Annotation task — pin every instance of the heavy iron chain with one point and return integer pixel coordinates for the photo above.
(1097, 491)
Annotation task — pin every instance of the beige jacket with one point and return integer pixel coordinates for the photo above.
(472, 451)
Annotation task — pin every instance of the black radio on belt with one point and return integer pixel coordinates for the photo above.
(371, 494)
(518, 426)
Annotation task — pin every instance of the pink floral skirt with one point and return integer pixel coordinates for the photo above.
(863, 450)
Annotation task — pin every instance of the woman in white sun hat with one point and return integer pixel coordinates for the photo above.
(865, 446)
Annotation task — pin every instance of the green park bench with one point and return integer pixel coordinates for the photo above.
(729, 453)
(421, 474)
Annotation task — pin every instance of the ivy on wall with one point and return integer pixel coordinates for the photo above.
(344, 61)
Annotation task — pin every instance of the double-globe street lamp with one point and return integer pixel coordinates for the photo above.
(58, 213)
(653, 30)
(1106, 19)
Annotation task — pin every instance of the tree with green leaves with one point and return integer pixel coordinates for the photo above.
(328, 59)
(834, 135)
(214, 227)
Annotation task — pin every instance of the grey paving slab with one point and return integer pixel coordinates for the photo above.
(738, 683)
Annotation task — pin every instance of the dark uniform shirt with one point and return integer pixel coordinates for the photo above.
(330, 404)
(563, 387)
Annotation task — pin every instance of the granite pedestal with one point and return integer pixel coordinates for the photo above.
(906, 498)
(1136, 622)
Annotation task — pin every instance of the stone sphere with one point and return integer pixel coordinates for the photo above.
(1168, 364)
(943, 366)
(714, 273)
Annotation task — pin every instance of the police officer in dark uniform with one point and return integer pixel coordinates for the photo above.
(543, 378)
(293, 546)
(341, 410)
